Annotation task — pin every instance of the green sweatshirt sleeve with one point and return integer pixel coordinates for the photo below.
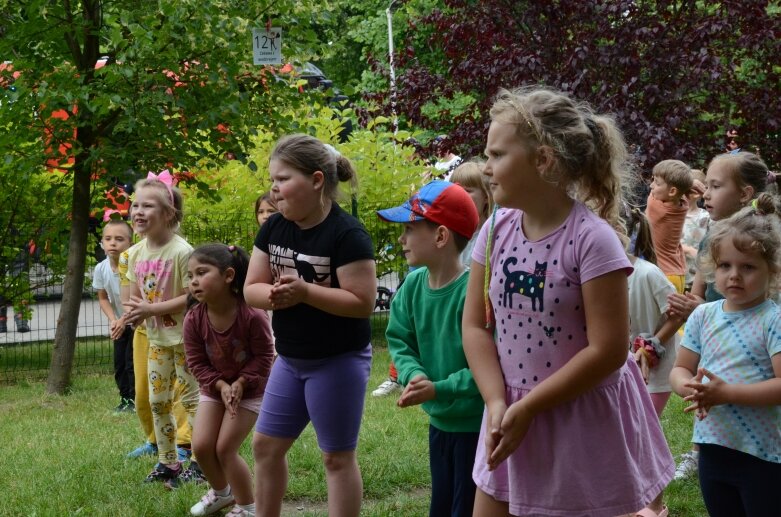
(458, 384)
(402, 341)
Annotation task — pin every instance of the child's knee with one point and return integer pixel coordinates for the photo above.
(335, 461)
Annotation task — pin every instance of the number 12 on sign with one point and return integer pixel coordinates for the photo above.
(267, 46)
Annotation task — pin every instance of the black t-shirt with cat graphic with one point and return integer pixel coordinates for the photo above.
(314, 254)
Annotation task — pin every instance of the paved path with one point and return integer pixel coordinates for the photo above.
(44, 322)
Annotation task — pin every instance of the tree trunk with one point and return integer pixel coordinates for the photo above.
(67, 322)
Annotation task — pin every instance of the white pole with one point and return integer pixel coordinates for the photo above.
(394, 117)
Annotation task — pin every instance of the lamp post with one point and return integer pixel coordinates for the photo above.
(394, 116)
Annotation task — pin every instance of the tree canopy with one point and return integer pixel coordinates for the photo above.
(105, 90)
(677, 75)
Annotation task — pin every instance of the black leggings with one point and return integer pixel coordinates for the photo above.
(737, 484)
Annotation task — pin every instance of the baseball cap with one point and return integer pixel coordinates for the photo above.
(440, 202)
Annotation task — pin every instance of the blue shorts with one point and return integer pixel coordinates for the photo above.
(330, 392)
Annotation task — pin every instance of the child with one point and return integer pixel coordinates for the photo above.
(731, 182)
(314, 267)
(694, 229)
(157, 271)
(735, 344)
(140, 351)
(648, 292)
(117, 237)
(653, 335)
(265, 207)
(666, 212)
(550, 275)
(470, 176)
(424, 337)
(229, 350)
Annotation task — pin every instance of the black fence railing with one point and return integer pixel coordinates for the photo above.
(28, 354)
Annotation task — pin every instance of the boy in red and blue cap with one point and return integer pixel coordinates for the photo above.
(424, 337)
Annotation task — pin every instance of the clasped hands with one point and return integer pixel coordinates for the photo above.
(705, 395)
(288, 291)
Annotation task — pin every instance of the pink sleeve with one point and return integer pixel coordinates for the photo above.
(600, 252)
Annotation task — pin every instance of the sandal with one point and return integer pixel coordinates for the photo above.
(647, 512)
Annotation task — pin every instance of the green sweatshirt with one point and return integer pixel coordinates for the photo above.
(424, 337)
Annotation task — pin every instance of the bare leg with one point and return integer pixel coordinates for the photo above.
(487, 506)
(206, 431)
(232, 433)
(345, 486)
(270, 473)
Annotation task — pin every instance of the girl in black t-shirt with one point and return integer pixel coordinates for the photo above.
(313, 265)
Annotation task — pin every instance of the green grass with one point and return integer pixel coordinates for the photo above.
(66, 456)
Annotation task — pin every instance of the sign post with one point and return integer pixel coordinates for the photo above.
(267, 46)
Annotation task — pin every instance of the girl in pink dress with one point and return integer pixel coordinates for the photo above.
(569, 427)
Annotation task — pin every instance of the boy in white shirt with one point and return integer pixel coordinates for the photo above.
(117, 237)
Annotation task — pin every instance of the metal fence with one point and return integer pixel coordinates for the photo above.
(28, 354)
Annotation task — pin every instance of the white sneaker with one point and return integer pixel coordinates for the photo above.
(687, 467)
(386, 388)
(211, 503)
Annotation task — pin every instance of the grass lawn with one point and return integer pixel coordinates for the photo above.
(66, 456)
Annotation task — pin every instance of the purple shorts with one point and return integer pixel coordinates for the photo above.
(330, 392)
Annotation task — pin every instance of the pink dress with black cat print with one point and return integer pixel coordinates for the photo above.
(602, 454)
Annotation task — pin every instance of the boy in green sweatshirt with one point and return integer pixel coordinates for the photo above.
(424, 337)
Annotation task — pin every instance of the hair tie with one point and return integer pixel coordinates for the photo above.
(231, 248)
(166, 179)
(331, 149)
(754, 203)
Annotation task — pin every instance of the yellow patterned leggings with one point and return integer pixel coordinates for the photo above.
(166, 367)
(143, 410)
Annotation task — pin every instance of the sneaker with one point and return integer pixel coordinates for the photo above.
(163, 473)
(238, 511)
(211, 503)
(687, 467)
(147, 449)
(125, 406)
(183, 452)
(192, 474)
(386, 388)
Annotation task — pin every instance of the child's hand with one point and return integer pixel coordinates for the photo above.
(642, 362)
(226, 394)
(514, 426)
(706, 395)
(137, 309)
(493, 428)
(288, 291)
(418, 391)
(117, 328)
(237, 392)
(681, 305)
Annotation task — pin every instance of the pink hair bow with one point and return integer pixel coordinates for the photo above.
(166, 179)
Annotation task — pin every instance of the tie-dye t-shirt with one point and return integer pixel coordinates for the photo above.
(737, 346)
(161, 275)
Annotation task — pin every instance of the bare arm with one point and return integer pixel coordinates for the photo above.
(480, 351)
(686, 363)
(257, 286)
(353, 299)
(105, 306)
(717, 391)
